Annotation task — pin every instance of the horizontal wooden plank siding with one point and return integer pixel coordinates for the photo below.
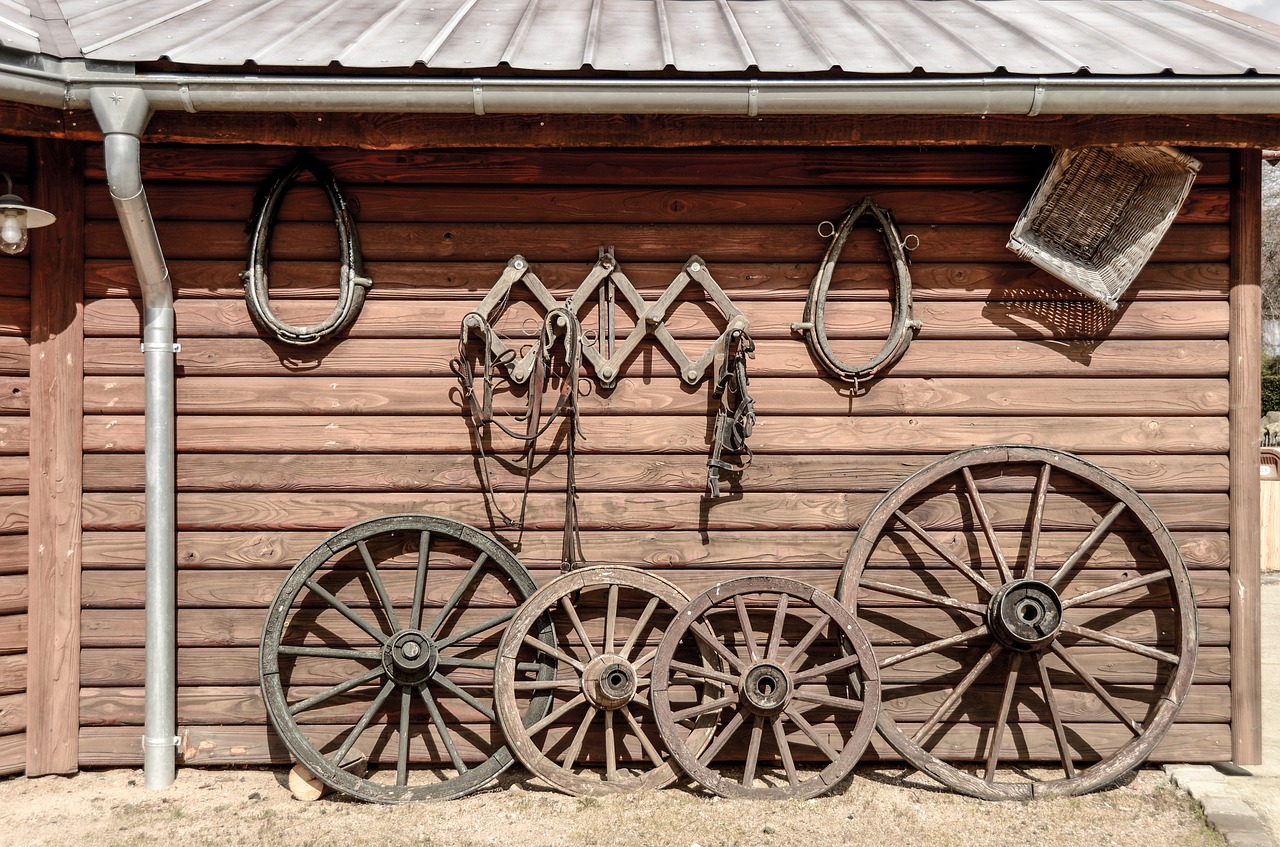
(15, 410)
(279, 446)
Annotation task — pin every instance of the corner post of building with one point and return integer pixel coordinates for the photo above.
(57, 394)
(1245, 375)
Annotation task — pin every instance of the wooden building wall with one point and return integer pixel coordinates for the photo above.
(280, 446)
(15, 406)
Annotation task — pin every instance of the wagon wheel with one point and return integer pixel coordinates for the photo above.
(1046, 613)
(609, 620)
(382, 642)
(801, 693)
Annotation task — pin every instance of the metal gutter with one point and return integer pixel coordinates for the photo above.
(70, 85)
(123, 113)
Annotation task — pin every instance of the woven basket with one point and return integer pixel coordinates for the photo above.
(1099, 212)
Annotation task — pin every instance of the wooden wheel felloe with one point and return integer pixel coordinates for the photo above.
(599, 735)
(383, 641)
(799, 693)
(1028, 604)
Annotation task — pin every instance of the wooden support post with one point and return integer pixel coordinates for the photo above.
(1245, 412)
(57, 391)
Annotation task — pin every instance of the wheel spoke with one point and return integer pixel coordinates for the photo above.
(340, 688)
(1096, 687)
(1059, 734)
(645, 659)
(378, 587)
(936, 546)
(717, 743)
(465, 696)
(330, 653)
(925, 597)
(1121, 643)
(987, 529)
(997, 735)
(1118, 588)
(775, 636)
(829, 701)
(610, 618)
(934, 646)
(704, 708)
(547, 685)
(575, 746)
(610, 748)
(1085, 546)
(958, 692)
(543, 647)
(363, 723)
(557, 713)
(1037, 519)
(420, 579)
(703, 634)
(402, 758)
(703, 672)
(442, 730)
(577, 626)
(753, 751)
(799, 651)
(434, 628)
(829, 668)
(808, 730)
(784, 750)
(645, 742)
(345, 611)
(640, 624)
(748, 633)
(477, 629)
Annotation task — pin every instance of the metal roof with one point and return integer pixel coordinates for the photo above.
(787, 37)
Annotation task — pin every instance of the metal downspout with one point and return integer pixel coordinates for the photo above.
(123, 114)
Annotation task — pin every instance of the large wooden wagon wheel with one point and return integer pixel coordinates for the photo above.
(382, 642)
(599, 736)
(800, 689)
(1027, 604)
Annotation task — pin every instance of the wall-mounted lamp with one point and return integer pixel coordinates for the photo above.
(16, 218)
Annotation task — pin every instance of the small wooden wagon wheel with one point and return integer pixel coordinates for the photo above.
(1031, 604)
(609, 620)
(383, 641)
(800, 689)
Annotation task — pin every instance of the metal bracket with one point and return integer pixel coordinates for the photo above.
(607, 274)
(176, 741)
(157, 347)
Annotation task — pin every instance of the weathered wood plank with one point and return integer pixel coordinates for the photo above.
(643, 548)
(417, 472)
(1005, 280)
(15, 356)
(13, 634)
(928, 359)
(13, 713)
(13, 673)
(14, 551)
(14, 593)
(751, 511)
(15, 514)
(671, 435)
(57, 397)
(243, 627)
(13, 753)
(16, 281)
(115, 589)
(15, 436)
(15, 315)
(227, 666)
(15, 395)
(540, 242)
(119, 395)
(531, 204)
(942, 320)
(14, 471)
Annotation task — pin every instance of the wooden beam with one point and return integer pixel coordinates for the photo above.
(57, 389)
(1245, 404)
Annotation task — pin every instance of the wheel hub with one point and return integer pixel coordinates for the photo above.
(609, 682)
(766, 688)
(1025, 615)
(410, 657)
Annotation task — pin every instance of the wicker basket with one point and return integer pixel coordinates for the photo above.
(1099, 212)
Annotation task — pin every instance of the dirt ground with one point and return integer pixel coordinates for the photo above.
(244, 808)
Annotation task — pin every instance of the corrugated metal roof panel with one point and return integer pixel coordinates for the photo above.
(874, 37)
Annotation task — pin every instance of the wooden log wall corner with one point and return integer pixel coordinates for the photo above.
(1246, 411)
(15, 429)
(277, 449)
(57, 398)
